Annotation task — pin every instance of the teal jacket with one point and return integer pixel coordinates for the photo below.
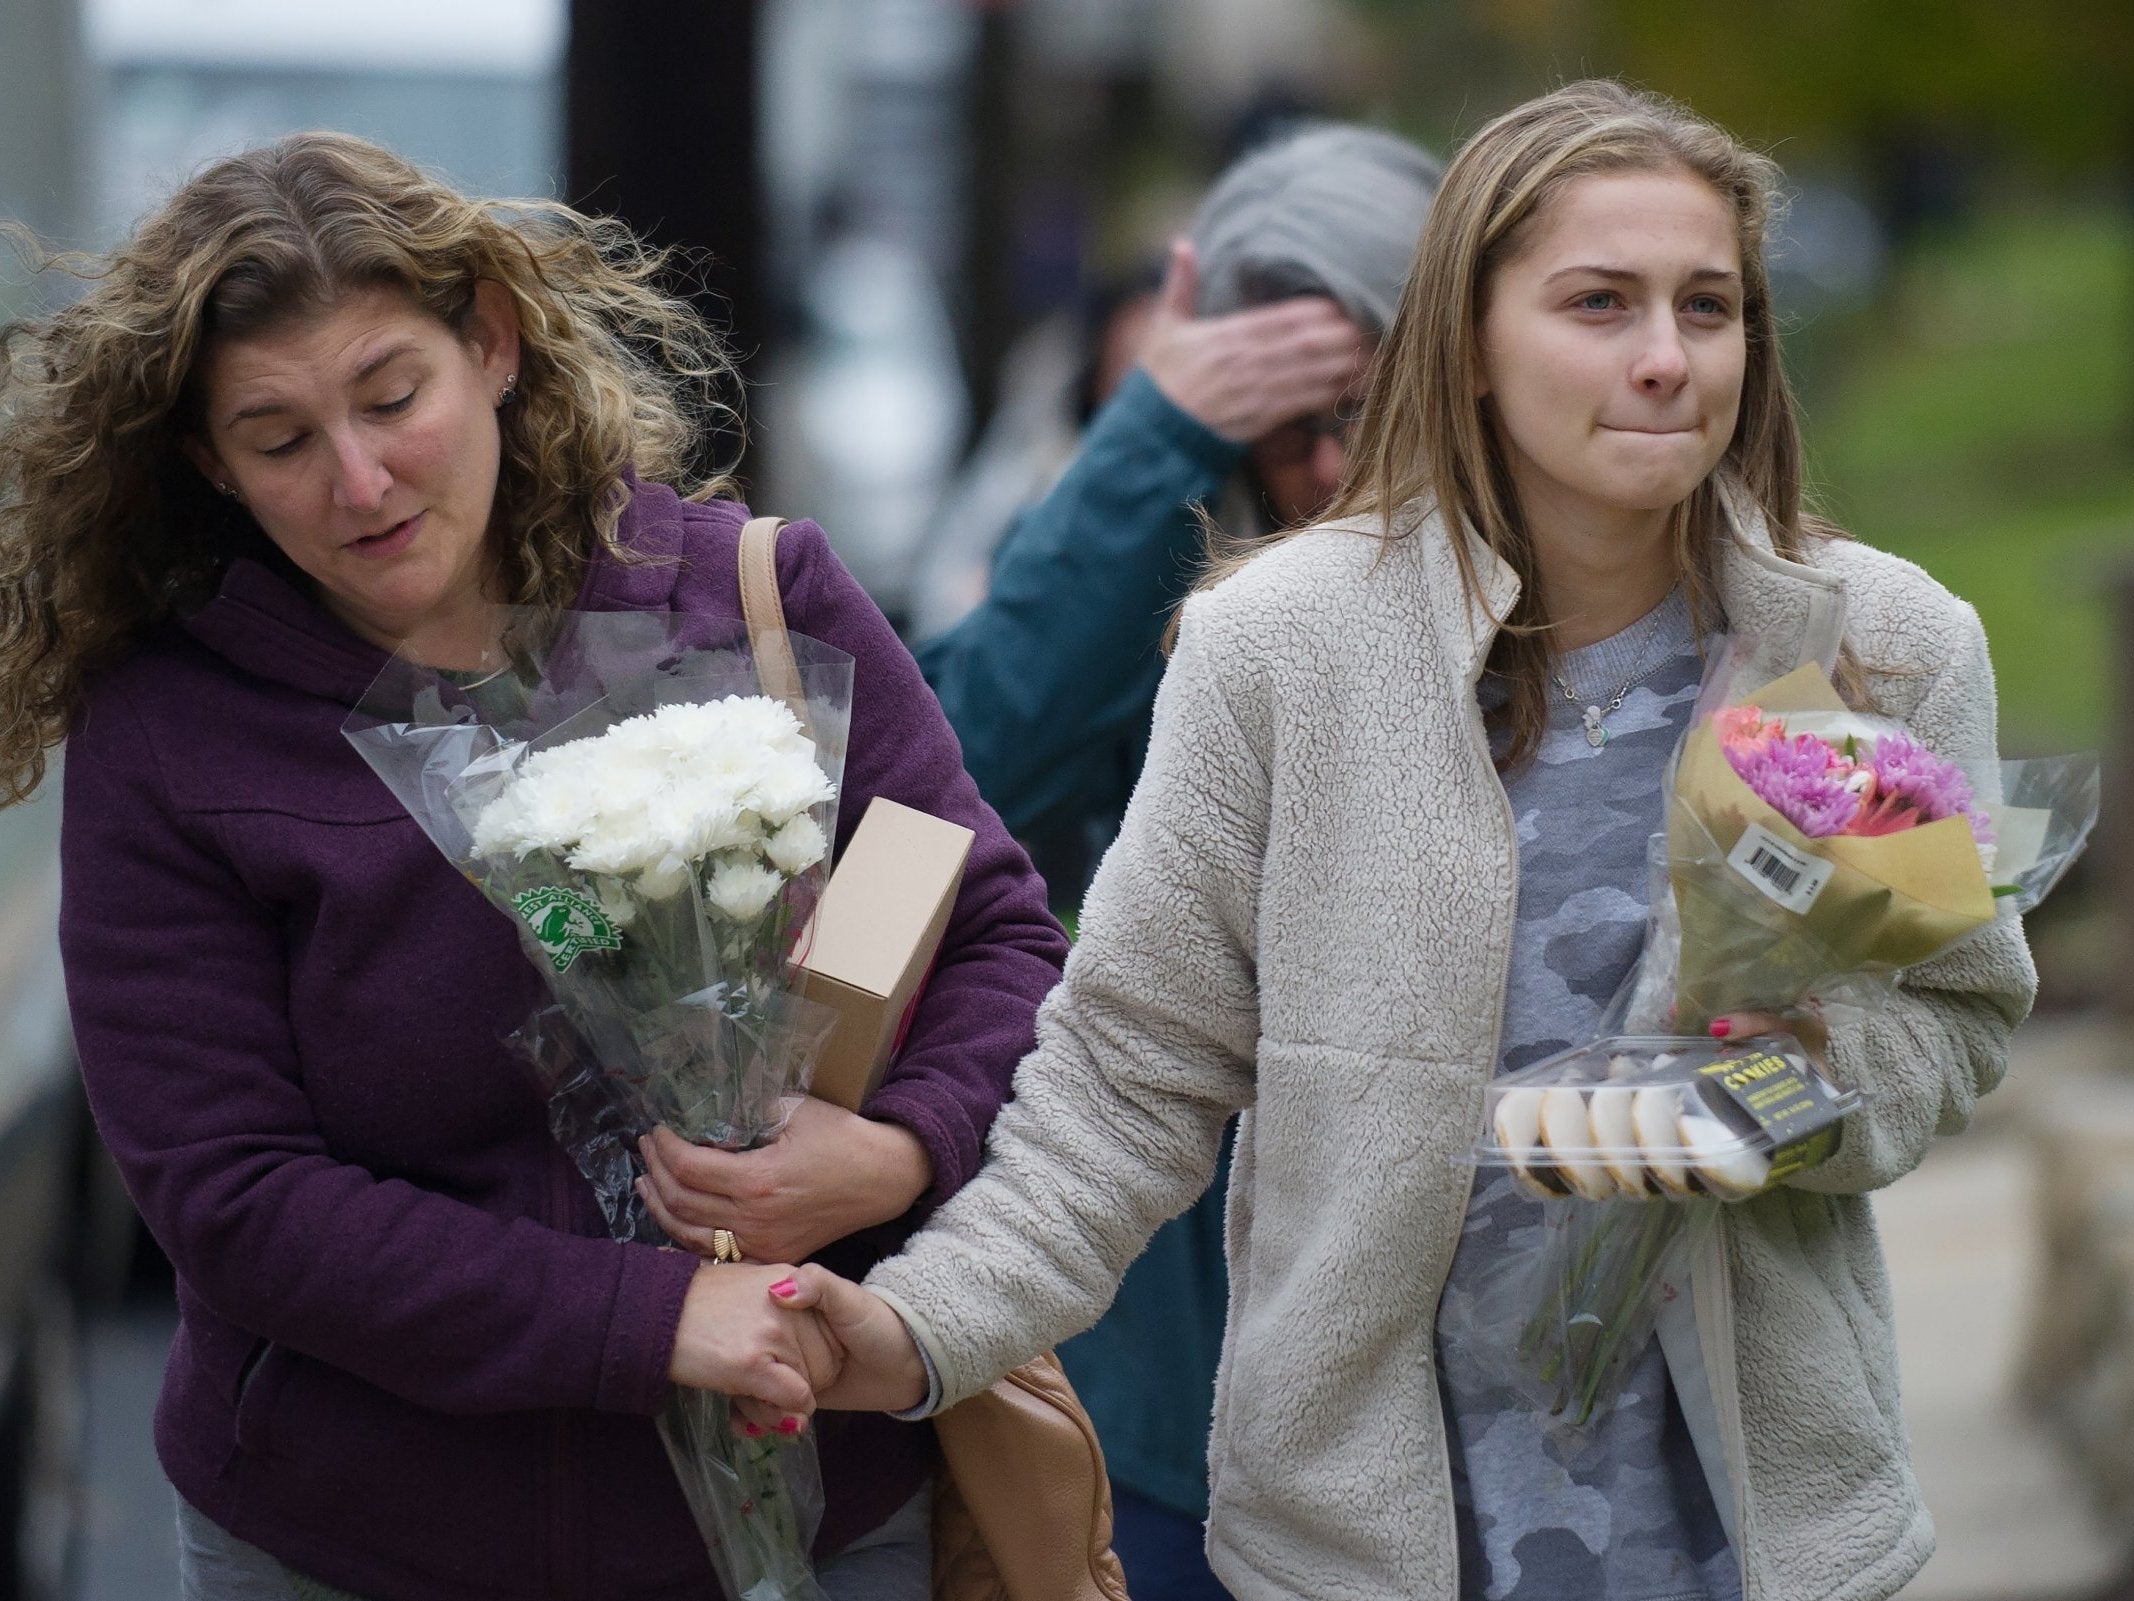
(1049, 684)
(1051, 680)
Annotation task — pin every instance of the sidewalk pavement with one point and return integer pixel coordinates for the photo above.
(127, 1541)
(1962, 1238)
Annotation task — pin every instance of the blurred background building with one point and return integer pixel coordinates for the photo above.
(904, 208)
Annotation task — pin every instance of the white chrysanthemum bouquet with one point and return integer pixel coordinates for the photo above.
(659, 832)
(719, 791)
(668, 862)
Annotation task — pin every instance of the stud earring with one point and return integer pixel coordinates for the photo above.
(227, 489)
(509, 392)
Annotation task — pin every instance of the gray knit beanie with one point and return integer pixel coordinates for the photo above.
(1329, 210)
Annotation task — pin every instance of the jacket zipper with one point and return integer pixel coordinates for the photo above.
(1724, 1378)
(564, 1578)
(1489, 1067)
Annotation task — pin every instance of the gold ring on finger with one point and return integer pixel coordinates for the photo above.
(724, 1247)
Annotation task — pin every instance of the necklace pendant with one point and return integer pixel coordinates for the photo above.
(1596, 728)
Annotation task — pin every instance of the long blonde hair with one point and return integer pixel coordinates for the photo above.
(1424, 438)
(106, 528)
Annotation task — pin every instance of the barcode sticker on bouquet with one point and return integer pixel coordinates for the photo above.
(1791, 877)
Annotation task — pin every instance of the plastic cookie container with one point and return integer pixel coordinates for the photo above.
(1645, 1117)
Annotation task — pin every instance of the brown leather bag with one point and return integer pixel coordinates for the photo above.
(1023, 1509)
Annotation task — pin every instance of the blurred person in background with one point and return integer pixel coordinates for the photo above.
(316, 409)
(1053, 380)
(1056, 379)
(1239, 405)
(1239, 409)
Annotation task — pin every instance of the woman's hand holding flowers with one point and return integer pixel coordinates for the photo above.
(1804, 1024)
(830, 1173)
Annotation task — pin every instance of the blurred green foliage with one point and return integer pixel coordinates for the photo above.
(1976, 414)
(2047, 80)
(1978, 418)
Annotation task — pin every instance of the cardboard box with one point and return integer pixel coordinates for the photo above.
(874, 937)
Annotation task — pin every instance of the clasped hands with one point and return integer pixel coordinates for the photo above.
(783, 1341)
(820, 1340)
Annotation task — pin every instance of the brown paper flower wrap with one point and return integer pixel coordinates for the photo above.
(1891, 901)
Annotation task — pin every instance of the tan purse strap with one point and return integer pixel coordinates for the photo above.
(763, 609)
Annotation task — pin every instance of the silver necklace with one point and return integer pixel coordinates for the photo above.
(487, 678)
(1595, 716)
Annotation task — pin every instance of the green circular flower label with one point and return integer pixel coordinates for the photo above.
(566, 924)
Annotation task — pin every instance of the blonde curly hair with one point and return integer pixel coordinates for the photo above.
(107, 529)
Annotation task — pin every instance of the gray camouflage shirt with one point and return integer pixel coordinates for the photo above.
(1620, 1511)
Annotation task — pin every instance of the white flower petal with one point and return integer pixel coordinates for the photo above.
(742, 890)
(615, 900)
(797, 847)
(658, 792)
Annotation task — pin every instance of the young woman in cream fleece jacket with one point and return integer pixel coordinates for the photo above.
(1313, 915)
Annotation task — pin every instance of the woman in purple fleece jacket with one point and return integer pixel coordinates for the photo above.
(317, 409)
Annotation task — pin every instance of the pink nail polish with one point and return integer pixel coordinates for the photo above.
(1722, 1028)
(786, 1288)
(790, 1425)
(753, 1430)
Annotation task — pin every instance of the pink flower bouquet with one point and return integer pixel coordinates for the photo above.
(1812, 853)
(1862, 788)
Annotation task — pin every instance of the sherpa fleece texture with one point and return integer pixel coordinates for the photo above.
(1308, 917)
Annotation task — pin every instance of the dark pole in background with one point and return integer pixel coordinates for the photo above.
(660, 131)
(988, 318)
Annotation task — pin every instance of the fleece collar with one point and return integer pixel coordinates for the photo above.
(264, 620)
(1785, 611)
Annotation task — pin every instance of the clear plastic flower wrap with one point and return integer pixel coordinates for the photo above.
(1812, 853)
(658, 830)
(757, 1503)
